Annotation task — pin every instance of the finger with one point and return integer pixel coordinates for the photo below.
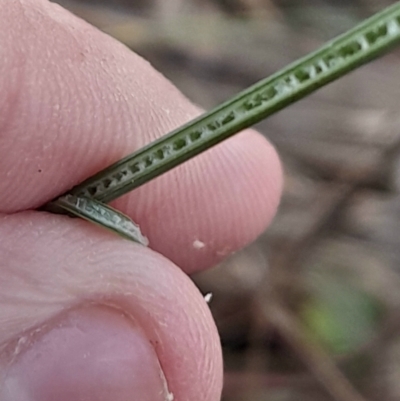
(85, 315)
(73, 100)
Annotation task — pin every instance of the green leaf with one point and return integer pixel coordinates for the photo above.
(341, 316)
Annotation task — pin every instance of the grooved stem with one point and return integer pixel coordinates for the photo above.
(345, 53)
(102, 215)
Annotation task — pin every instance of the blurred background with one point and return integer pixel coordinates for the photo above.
(311, 311)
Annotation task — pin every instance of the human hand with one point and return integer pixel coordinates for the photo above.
(85, 315)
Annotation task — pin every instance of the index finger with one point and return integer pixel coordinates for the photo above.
(73, 100)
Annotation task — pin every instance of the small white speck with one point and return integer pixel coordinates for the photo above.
(208, 297)
(21, 342)
(197, 244)
(170, 397)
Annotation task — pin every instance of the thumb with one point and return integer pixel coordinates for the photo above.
(92, 353)
(86, 315)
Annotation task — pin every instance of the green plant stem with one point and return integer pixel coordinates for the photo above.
(102, 215)
(345, 53)
(358, 46)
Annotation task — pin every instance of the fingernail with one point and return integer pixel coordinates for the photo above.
(93, 354)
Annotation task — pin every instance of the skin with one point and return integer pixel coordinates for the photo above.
(84, 314)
